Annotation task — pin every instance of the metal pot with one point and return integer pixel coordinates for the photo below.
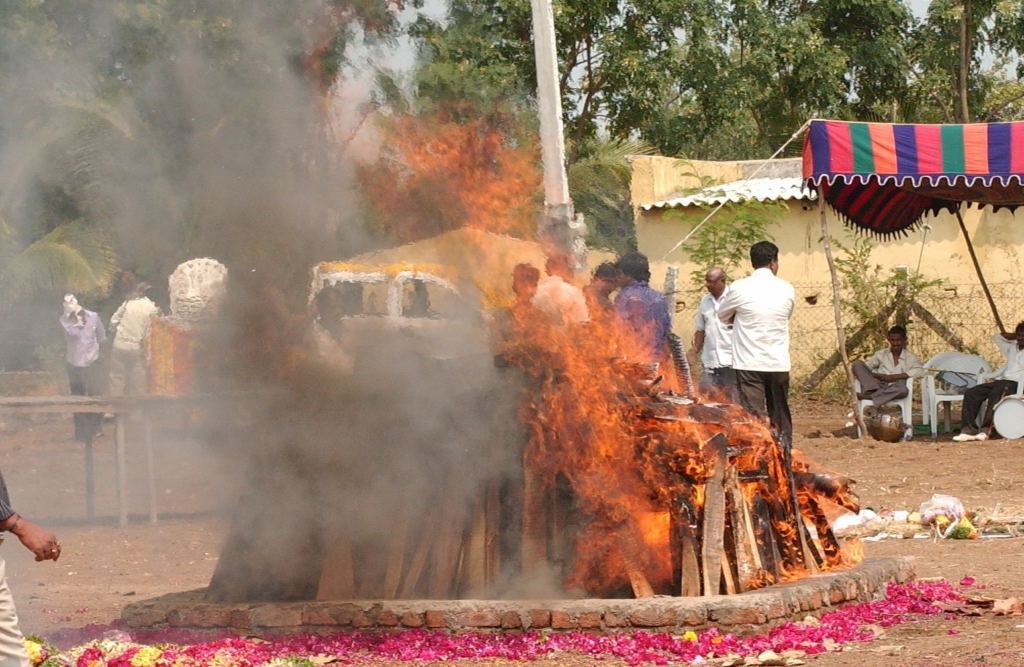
(888, 428)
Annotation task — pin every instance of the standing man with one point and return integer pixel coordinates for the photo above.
(83, 335)
(557, 296)
(641, 310)
(759, 308)
(514, 326)
(712, 338)
(883, 375)
(599, 291)
(130, 328)
(1002, 383)
(45, 546)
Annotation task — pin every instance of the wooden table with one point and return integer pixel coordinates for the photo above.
(121, 407)
(118, 406)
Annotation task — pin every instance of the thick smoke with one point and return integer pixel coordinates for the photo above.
(202, 135)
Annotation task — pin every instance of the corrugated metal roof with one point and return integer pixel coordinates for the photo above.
(759, 189)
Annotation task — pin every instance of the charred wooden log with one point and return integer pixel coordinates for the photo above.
(743, 540)
(827, 541)
(685, 529)
(767, 543)
(833, 487)
(712, 546)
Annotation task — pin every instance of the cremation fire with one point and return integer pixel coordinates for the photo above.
(617, 479)
(662, 491)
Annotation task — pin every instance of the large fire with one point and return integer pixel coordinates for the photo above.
(436, 174)
(633, 485)
(620, 480)
(625, 480)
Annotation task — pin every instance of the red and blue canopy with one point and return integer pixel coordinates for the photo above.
(885, 177)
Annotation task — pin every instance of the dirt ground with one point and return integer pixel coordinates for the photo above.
(104, 567)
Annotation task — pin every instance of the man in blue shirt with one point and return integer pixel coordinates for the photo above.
(642, 311)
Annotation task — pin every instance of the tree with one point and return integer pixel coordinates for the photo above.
(965, 61)
(755, 71)
(599, 186)
(701, 78)
(176, 128)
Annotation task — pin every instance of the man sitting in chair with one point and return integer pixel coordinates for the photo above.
(1002, 382)
(883, 375)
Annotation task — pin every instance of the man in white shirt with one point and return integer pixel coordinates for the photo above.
(557, 296)
(712, 338)
(1002, 383)
(130, 324)
(759, 308)
(883, 375)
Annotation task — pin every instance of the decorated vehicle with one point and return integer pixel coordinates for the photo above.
(363, 311)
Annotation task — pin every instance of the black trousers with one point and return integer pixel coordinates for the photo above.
(766, 394)
(977, 396)
(721, 380)
(86, 381)
(880, 392)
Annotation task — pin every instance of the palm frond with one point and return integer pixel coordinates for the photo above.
(74, 257)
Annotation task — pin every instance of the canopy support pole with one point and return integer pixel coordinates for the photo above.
(826, 242)
(977, 269)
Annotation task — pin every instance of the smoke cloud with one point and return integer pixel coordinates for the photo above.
(198, 130)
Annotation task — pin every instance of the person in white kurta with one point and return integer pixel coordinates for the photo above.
(759, 308)
(712, 338)
(130, 327)
(557, 296)
(883, 375)
(975, 424)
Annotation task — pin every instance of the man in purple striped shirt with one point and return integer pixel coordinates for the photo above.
(83, 335)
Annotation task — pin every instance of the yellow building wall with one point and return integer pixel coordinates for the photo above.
(936, 252)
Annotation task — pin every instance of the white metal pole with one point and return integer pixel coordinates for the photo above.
(559, 226)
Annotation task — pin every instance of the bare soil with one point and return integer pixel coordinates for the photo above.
(104, 566)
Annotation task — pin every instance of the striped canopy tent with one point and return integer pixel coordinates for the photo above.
(885, 177)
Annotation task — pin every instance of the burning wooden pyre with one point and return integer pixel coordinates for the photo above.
(624, 485)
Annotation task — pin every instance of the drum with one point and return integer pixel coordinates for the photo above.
(1008, 417)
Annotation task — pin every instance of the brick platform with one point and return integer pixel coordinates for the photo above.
(746, 612)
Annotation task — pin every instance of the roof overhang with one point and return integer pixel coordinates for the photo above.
(751, 189)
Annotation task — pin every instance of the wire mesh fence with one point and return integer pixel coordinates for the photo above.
(962, 310)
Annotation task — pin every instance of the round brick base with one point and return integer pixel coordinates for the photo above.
(742, 613)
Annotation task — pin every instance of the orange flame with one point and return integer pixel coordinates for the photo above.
(852, 552)
(436, 175)
(634, 460)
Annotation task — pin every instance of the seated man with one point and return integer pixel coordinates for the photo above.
(1002, 383)
(883, 375)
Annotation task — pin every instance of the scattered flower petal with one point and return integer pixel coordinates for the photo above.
(862, 622)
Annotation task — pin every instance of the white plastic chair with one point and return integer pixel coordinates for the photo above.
(906, 405)
(932, 394)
